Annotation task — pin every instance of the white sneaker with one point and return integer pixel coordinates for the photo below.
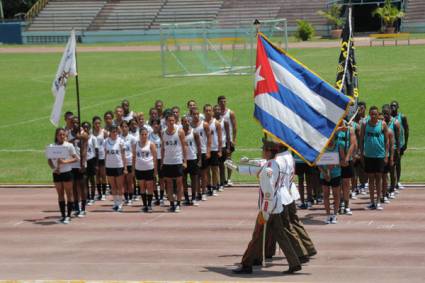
(130, 202)
(386, 200)
(229, 183)
(195, 203)
(66, 220)
(400, 186)
(82, 214)
(379, 207)
(333, 219)
(348, 211)
(214, 193)
(353, 195)
(177, 209)
(220, 189)
(392, 195)
(204, 197)
(103, 197)
(161, 202)
(328, 219)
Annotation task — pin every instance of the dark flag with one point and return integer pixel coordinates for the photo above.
(347, 79)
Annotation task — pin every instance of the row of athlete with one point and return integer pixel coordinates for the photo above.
(190, 146)
(371, 145)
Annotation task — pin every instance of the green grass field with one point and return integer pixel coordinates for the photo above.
(107, 78)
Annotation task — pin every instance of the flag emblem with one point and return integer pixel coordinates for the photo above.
(293, 104)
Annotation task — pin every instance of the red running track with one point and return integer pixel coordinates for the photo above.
(204, 243)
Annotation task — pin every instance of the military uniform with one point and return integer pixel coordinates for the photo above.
(293, 227)
(271, 208)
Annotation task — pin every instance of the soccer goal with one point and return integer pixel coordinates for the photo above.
(206, 49)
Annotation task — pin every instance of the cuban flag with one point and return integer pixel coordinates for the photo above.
(293, 104)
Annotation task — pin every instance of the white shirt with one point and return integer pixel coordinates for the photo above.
(91, 147)
(269, 179)
(100, 143)
(286, 163)
(144, 158)
(129, 140)
(192, 152)
(156, 139)
(226, 117)
(202, 136)
(173, 149)
(71, 151)
(128, 117)
(214, 135)
(113, 153)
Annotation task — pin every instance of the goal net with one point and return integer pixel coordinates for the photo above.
(205, 48)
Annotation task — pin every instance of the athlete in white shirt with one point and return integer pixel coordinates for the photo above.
(193, 155)
(203, 130)
(116, 166)
(79, 140)
(129, 141)
(156, 138)
(229, 116)
(145, 164)
(62, 176)
(100, 135)
(225, 143)
(216, 145)
(128, 114)
(173, 153)
(92, 156)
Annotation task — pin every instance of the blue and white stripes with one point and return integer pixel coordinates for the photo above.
(294, 104)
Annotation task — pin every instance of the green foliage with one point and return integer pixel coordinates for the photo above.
(388, 13)
(305, 30)
(333, 15)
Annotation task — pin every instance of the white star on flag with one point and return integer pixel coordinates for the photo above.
(258, 78)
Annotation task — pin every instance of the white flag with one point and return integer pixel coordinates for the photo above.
(67, 67)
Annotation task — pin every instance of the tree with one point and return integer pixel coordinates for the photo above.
(333, 15)
(388, 13)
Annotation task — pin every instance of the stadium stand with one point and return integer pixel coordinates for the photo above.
(175, 11)
(127, 15)
(302, 10)
(240, 13)
(61, 15)
(415, 12)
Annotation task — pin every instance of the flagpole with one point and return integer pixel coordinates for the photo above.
(77, 85)
(348, 49)
(77, 88)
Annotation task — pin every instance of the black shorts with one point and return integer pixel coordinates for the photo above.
(223, 155)
(114, 172)
(374, 165)
(172, 170)
(129, 169)
(192, 167)
(302, 168)
(334, 182)
(232, 147)
(101, 162)
(159, 162)
(388, 168)
(214, 159)
(145, 175)
(91, 167)
(62, 177)
(77, 174)
(204, 161)
(347, 171)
